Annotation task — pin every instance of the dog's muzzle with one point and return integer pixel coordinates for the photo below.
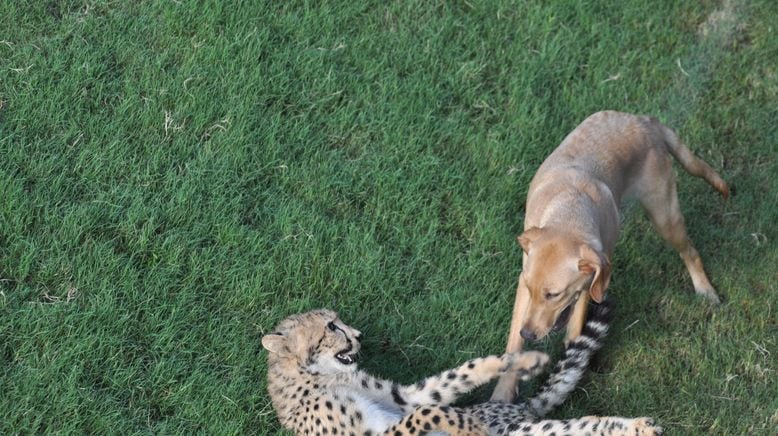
(561, 320)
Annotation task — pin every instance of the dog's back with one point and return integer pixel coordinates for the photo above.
(613, 148)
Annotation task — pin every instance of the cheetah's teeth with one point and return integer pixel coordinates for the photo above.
(346, 359)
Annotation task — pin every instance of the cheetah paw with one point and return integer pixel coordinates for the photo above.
(645, 427)
(526, 364)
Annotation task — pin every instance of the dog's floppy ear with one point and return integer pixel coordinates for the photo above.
(275, 343)
(528, 237)
(594, 262)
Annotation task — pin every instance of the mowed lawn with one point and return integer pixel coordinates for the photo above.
(177, 176)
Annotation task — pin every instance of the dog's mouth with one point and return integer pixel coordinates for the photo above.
(346, 358)
(561, 320)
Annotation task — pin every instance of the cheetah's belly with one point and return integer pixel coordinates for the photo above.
(378, 416)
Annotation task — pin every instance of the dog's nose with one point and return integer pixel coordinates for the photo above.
(528, 334)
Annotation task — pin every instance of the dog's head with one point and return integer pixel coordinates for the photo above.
(557, 270)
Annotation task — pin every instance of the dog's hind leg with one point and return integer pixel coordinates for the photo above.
(660, 200)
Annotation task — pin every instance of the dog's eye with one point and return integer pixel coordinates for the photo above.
(331, 325)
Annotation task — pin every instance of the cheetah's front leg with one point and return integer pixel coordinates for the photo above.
(444, 388)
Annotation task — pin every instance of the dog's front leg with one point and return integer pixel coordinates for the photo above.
(506, 388)
(577, 318)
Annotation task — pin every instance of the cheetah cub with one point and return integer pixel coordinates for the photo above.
(316, 389)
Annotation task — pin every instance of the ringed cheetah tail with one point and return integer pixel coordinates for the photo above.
(574, 360)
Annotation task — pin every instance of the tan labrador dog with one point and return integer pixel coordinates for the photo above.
(572, 221)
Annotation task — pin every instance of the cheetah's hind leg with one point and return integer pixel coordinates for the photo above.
(453, 420)
(591, 425)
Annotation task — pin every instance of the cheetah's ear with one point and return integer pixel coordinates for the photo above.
(275, 343)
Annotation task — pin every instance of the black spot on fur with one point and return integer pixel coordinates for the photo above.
(577, 345)
(589, 331)
(396, 396)
(436, 396)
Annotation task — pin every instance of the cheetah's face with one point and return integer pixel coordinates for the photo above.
(317, 341)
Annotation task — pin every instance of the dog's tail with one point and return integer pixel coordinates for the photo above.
(691, 163)
(571, 366)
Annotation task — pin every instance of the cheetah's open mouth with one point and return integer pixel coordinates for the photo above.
(345, 358)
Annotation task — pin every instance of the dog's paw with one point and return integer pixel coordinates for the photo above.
(525, 364)
(709, 294)
(644, 427)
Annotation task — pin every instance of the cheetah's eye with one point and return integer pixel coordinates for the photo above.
(331, 325)
(552, 295)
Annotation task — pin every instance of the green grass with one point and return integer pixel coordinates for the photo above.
(176, 177)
